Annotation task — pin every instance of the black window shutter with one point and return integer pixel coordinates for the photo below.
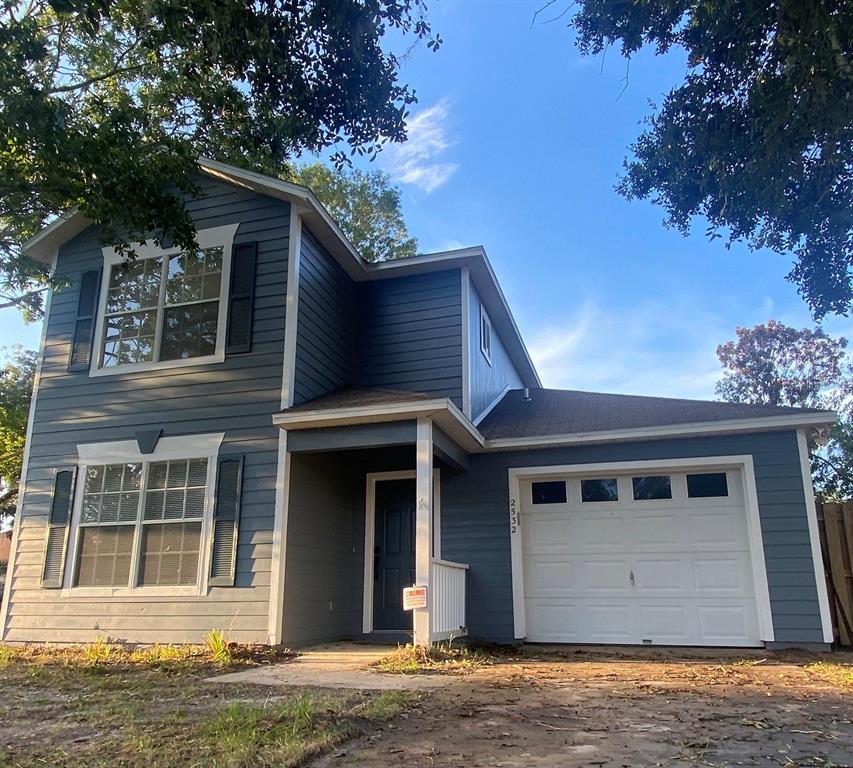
(241, 299)
(84, 326)
(57, 529)
(226, 522)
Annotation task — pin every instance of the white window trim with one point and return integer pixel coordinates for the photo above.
(484, 318)
(207, 238)
(742, 463)
(123, 451)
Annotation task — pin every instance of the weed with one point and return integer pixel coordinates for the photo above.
(415, 659)
(98, 652)
(833, 672)
(218, 647)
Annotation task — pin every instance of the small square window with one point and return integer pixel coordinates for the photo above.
(707, 485)
(550, 492)
(652, 487)
(599, 490)
(485, 335)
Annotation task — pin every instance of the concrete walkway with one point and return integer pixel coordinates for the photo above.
(337, 665)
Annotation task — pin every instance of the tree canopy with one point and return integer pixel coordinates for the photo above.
(758, 138)
(775, 364)
(16, 386)
(105, 105)
(367, 207)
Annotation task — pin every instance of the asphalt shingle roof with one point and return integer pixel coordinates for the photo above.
(562, 411)
(357, 398)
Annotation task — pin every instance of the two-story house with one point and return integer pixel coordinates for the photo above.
(271, 437)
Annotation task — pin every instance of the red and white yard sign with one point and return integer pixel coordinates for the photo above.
(414, 597)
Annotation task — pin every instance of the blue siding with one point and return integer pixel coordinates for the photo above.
(475, 524)
(487, 379)
(237, 396)
(412, 334)
(326, 339)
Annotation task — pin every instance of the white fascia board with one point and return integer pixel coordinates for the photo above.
(445, 412)
(44, 245)
(695, 429)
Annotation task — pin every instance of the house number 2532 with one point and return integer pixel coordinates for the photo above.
(513, 516)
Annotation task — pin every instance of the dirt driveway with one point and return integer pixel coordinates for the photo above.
(646, 708)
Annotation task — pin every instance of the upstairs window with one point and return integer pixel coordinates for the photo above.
(485, 335)
(165, 306)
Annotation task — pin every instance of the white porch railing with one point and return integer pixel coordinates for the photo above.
(448, 600)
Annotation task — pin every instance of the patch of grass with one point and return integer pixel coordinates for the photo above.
(443, 658)
(836, 673)
(388, 705)
(156, 708)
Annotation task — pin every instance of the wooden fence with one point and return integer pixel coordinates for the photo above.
(835, 522)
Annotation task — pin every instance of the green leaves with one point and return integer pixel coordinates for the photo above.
(367, 207)
(758, 139)
(107, 105)
(16, 386)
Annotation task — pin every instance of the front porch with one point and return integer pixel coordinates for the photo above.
(363, 520)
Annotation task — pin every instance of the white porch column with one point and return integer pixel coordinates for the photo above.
(423, 527)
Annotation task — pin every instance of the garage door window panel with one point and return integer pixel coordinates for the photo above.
(707, 485)
(600, 490)
(651, 487)
(548, 492)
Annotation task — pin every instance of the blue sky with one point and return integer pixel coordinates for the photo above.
(516, 144)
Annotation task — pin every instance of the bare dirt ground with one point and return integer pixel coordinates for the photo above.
(610, 708)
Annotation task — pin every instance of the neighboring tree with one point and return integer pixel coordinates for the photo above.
(775, 364)
(105, 105)
(758, 138)
(16, 388)
(367, 207)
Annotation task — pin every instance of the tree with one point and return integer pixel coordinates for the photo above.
(16, 388)
(367, 207)
(758, 138)
(775, 364)
(105, 105)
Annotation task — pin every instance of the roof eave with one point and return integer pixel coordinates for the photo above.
(693, 429)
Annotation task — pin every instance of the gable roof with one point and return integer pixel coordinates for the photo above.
(550, 413)
(44, 246)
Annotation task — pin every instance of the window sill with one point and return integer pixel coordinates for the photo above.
(115, 370)
(176, 591)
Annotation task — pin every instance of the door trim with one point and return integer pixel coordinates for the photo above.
(370, 529)
(743, 463)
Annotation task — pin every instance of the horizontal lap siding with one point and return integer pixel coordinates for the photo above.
(324, 566)
(238, 397)
(412, 337)
(487, 378)
(475, 524)
(326, 334)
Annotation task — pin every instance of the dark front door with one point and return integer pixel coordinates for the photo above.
(394, 552)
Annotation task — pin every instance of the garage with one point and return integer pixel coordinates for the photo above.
(646, 556)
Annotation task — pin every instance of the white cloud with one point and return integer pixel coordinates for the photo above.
(657, 348)
(419, 160)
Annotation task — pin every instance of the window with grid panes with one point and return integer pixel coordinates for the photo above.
(162, 308)
(158, 506)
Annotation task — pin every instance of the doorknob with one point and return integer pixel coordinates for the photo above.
(631, 577)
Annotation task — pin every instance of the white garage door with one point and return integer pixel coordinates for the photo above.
(651, 557)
